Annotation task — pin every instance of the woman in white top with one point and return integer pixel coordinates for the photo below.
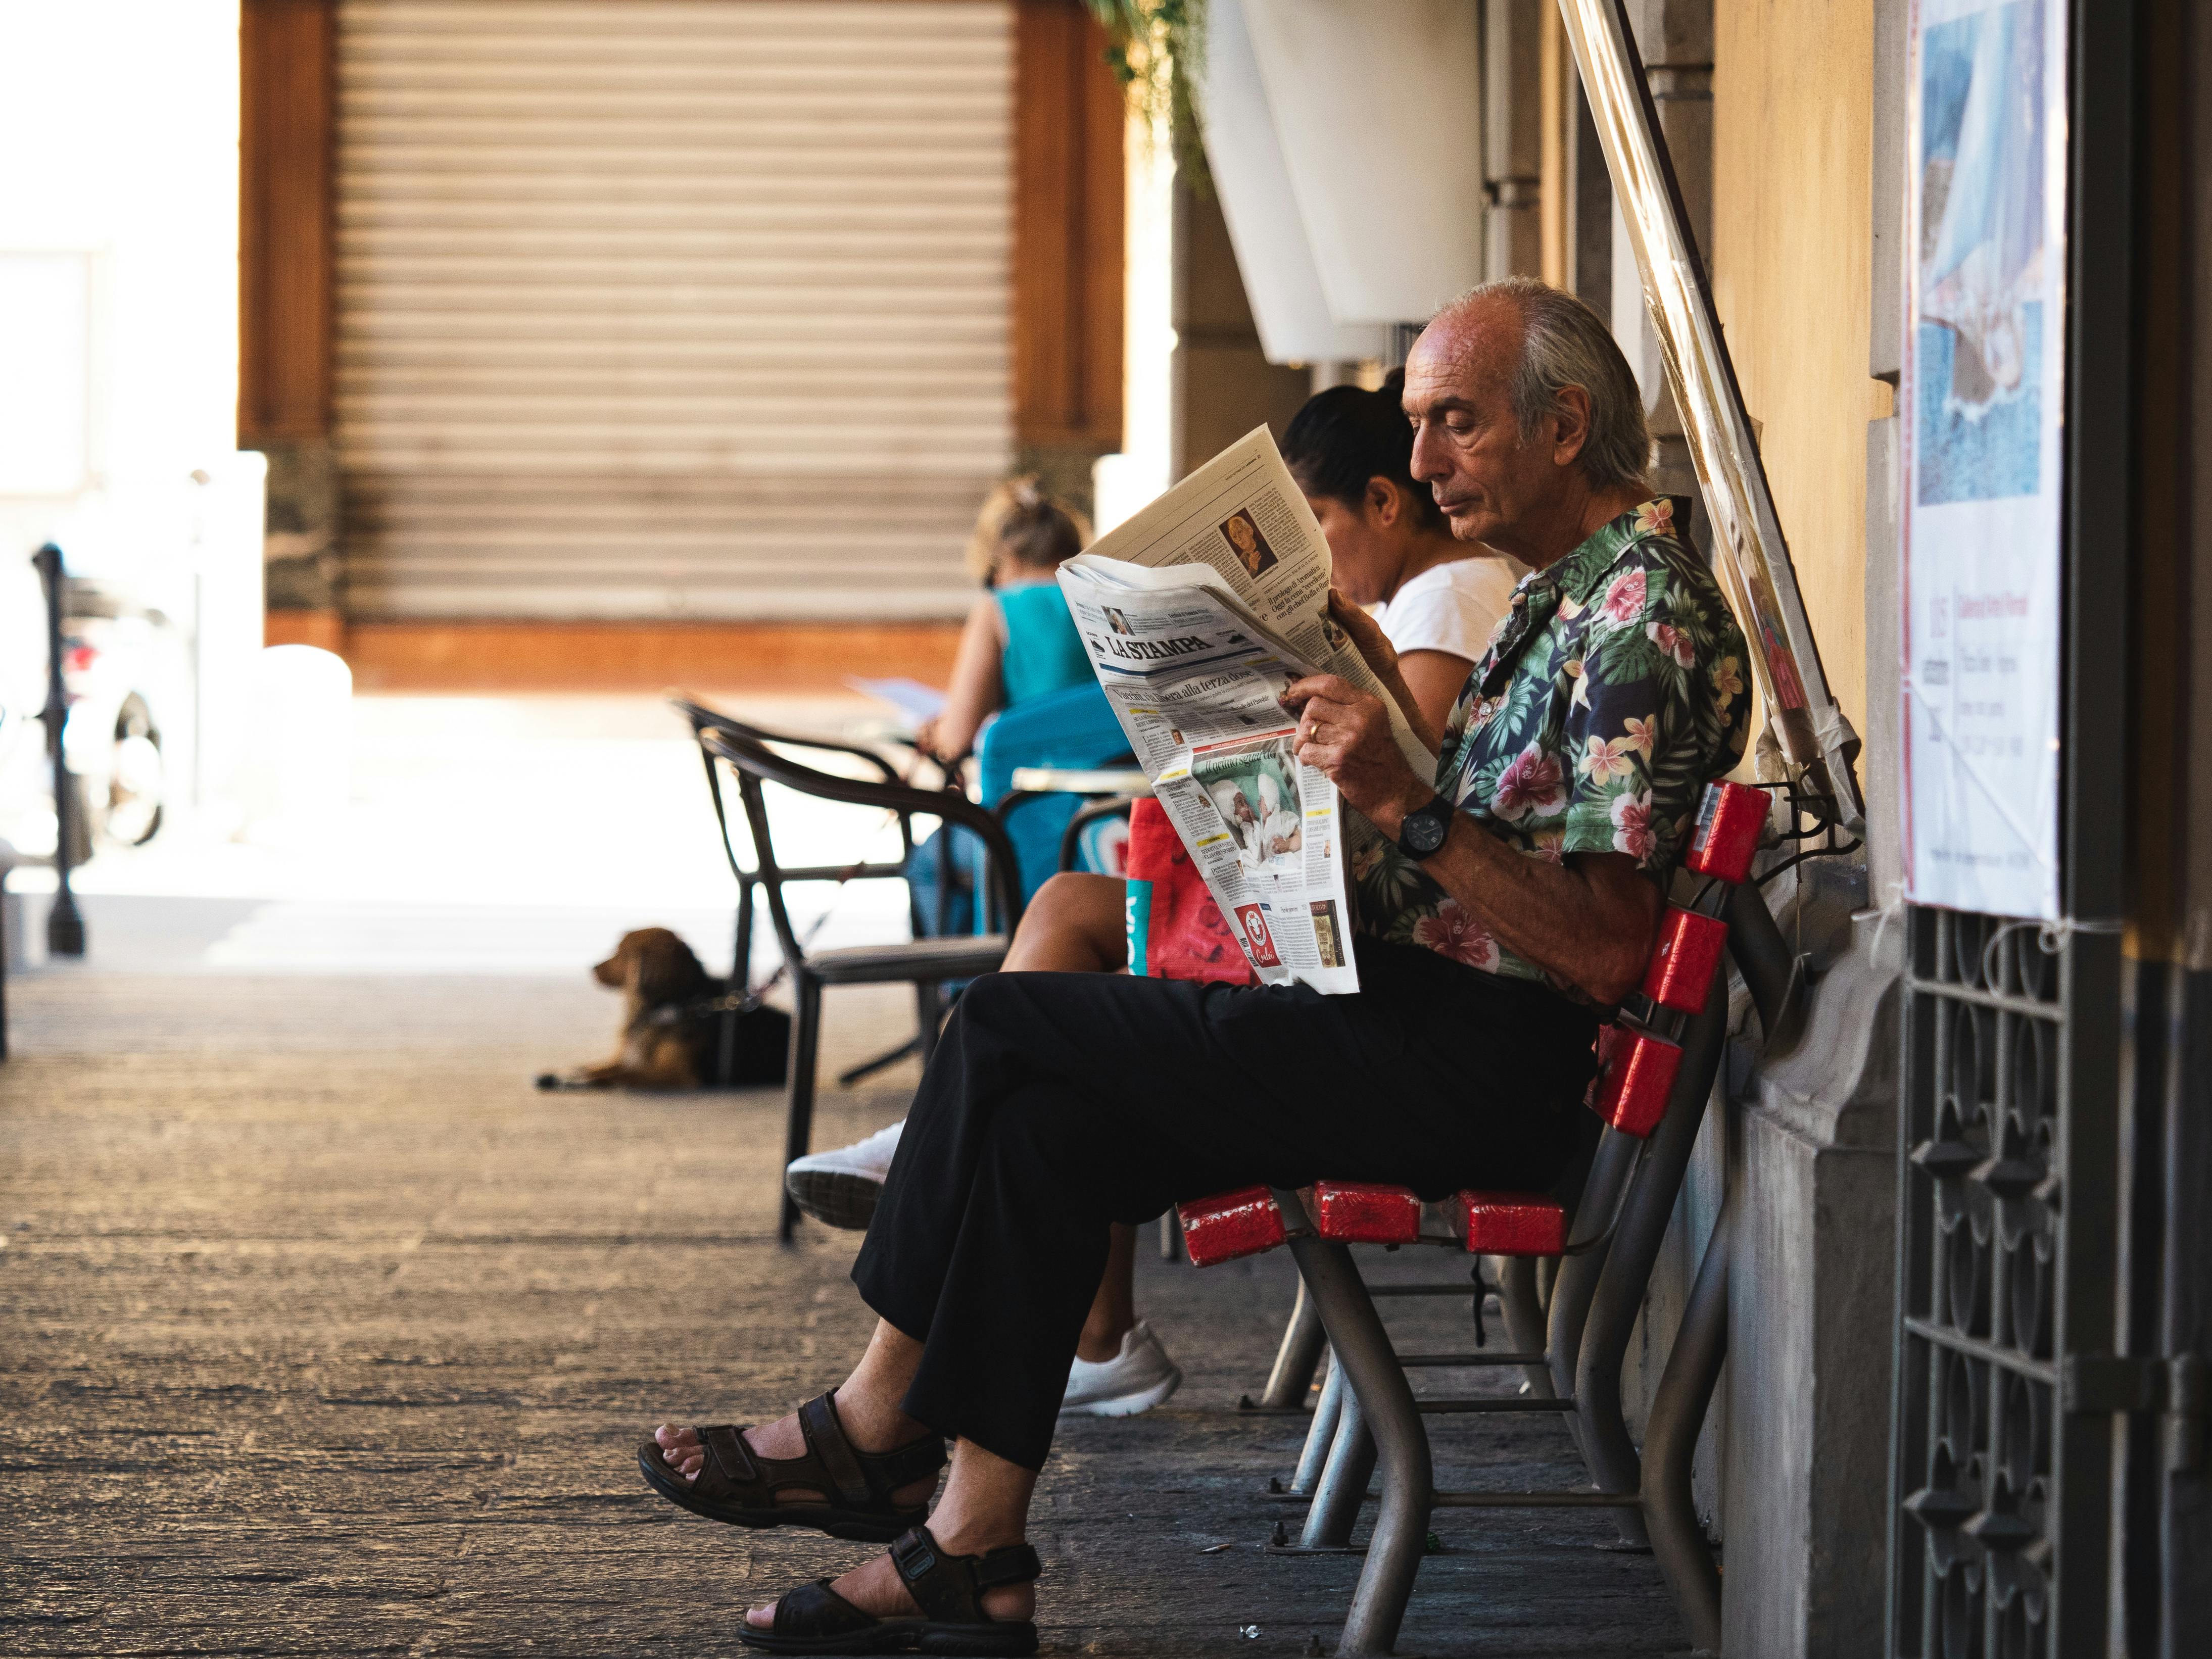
(1389, 548)
(1352, 451)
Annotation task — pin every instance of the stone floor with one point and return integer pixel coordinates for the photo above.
(322, 1333)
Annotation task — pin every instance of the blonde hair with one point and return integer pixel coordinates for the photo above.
(1022, 524)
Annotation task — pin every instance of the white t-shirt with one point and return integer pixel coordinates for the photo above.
(1452, 606)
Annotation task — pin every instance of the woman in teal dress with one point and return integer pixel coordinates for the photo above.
(1019, 642)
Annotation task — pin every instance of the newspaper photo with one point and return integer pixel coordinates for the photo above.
(1198, 613)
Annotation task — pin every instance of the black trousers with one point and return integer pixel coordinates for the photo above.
(1058, 1102)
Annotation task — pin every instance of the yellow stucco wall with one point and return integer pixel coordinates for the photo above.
(1793, 112)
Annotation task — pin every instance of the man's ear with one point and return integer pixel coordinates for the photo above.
(1571, 425)
(1382, 500)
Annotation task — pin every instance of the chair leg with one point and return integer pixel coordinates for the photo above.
(1341, 1487)
(741, 950)
(1606, 1447)
(741, 982)
(1297, 1359)
(1670, 1445)
(1376, 1383)
(1320, 1433)
(1575, 1280)
(1524, 1317)
(799, 1130)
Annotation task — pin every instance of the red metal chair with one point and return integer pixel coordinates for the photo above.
(1659, 1066)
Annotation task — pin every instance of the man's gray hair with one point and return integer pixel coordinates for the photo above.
(1564, 342)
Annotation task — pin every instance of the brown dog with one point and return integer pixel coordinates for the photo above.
(666, 1043)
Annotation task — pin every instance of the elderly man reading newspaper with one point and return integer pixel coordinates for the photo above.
(1507, 891)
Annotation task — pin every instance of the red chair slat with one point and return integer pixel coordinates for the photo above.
(1730, 820)
(1680, 974)
(1364, 1213)
(1638, 1082)
(1514, 1224)
(1230, 1224)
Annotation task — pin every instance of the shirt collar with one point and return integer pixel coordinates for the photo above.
(1579, 574)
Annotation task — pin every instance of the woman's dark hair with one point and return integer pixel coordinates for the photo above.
(1347, 434)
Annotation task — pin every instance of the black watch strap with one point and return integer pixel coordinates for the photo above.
(1425, 830)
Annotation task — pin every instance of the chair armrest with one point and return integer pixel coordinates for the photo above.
(948, 805)
(704, 719)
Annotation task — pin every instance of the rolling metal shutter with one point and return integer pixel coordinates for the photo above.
(659, 308)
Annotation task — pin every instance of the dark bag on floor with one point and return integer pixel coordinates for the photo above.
(747, 1047)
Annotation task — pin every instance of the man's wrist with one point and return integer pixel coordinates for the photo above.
(1390, 816)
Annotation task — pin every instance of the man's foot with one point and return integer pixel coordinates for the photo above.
(681, 1450)
(839, 1188)
(875, 1588)
(1136, 1379)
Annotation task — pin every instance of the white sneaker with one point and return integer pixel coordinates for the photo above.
(839, 1188)
(1135, 1380)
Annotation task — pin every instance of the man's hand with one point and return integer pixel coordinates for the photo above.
(1367, 636)
(1347, 734)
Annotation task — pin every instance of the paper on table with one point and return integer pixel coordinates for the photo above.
(917, 701)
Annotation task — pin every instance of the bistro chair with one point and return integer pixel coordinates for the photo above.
(926, 963)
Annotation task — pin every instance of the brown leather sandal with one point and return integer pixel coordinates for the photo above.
(739, 1486)
(948, 1589)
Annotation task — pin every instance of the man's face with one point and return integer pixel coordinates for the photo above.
(1468, 445)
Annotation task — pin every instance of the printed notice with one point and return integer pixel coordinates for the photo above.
(1983, 401)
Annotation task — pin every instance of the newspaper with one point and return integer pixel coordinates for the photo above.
(1198, 613)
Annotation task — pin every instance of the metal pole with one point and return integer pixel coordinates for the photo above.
(1378, 1383)
(1321, 1434)
(1524, 1318)
(65, 926)
(1577, 1281)
(1649, 1205)
(1342, 1487)
(1670, 1443)
(1295, 1360)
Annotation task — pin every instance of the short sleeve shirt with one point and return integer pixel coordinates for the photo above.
(1453, 607)
(1615, 688)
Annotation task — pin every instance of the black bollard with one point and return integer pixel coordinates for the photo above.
(65, 926)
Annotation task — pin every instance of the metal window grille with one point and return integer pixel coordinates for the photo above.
(1982, 1205)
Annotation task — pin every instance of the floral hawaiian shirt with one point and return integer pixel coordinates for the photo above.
(1612, 691)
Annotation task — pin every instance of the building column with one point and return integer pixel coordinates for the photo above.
(1675, 39)
(1812, 1301)
(1512, 137)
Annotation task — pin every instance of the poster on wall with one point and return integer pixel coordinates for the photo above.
(1982, 404)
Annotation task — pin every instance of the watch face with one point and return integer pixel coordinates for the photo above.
(1425, 832)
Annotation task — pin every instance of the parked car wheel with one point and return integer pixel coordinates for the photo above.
(136, 780)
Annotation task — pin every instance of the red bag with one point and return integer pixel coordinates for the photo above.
(1176, 929)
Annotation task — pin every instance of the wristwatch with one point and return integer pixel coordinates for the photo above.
(1425, 829)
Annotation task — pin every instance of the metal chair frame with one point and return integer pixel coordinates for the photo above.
(704, 719)
(1600, 1288)
(926, 963)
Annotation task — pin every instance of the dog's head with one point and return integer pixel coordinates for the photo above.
(655, 967)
